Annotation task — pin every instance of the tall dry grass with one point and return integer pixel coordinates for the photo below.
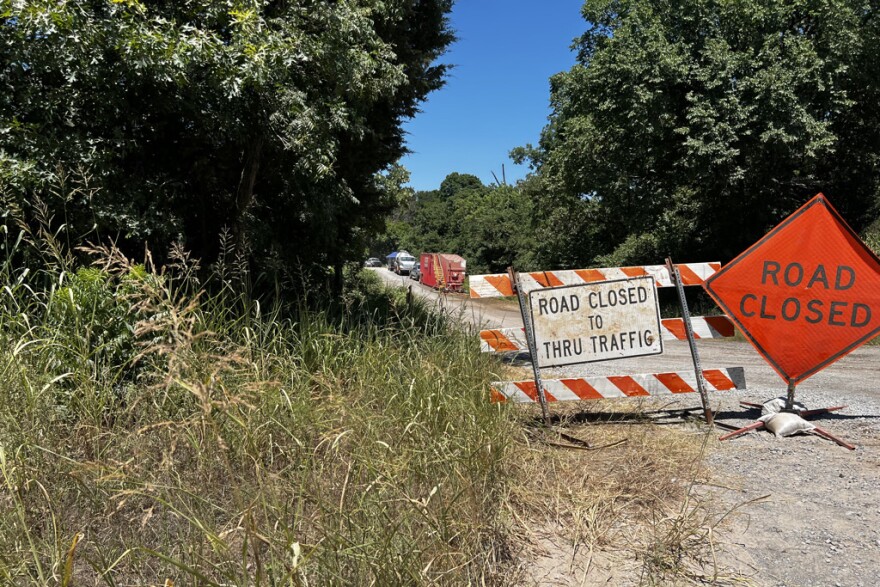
(632, 508)
(153, 434)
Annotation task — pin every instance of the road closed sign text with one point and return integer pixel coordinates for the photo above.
(806, 294)
(792, 306)
(595, 321)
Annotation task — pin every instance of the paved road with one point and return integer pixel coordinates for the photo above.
(489, 313)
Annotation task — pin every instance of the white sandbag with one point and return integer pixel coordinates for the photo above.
(776, 405)
(786, 424)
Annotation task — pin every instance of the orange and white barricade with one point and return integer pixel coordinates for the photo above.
(608, 387)
(500, 340)
(498, 285)
(602, 387)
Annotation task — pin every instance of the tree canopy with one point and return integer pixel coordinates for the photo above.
(689, 127)
(177, 120)
(488, 225)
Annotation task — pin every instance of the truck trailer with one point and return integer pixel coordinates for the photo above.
(443, 271)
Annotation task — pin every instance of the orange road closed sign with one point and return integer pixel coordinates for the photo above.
(806, 294)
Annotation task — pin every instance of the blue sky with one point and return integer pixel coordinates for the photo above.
(497, 95)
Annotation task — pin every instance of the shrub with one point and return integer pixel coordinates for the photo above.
(90, 323)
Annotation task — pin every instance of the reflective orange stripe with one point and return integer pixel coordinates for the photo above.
(675, 326)
(546, 278)
(674, 383)
(688, 277)
(590, 275)
(501, 283)
(581, 388)
(722, 324)
(634, 271)
(529, 388)
(498, 341)
(718, 379)
(496, 397)
(628, 386)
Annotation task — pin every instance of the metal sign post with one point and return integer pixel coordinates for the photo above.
(530, 338)
(789, 398)
(692, 343)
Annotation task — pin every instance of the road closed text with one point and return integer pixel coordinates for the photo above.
(595, 300)
(802, 307)
(805, 294)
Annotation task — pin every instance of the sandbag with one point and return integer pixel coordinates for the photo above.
(786, 424)
(776, 405)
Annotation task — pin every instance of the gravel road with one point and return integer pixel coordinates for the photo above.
(815, 521)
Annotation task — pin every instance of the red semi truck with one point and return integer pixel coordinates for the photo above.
(443, 271)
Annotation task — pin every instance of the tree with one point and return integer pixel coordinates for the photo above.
(269, 117)
(692, 126)
(496, 230)
(398, 225)
(434, 216)
(490, 226)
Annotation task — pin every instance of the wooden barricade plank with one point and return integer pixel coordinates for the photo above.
(609, 387)
(498, 285)
(499, 340)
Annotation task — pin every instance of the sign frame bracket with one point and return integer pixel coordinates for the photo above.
(692, 343)
(530, 338)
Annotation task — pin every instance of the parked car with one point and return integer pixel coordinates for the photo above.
(372, 262)
(415, 273)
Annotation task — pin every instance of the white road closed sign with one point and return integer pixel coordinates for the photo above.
(596, 321)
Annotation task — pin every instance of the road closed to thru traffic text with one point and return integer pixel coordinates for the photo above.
(596, 322)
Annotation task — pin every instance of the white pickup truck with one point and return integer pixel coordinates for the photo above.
(403, 263)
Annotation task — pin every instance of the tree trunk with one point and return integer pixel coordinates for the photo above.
(245, 194)
(338, 281)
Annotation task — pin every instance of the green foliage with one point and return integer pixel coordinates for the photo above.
(690, 128)
(90, 323)
(871, 236)
(269, 118)
(642, 247)
(495, 228)
(436, 218)
(398, 225)
(490, 226)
